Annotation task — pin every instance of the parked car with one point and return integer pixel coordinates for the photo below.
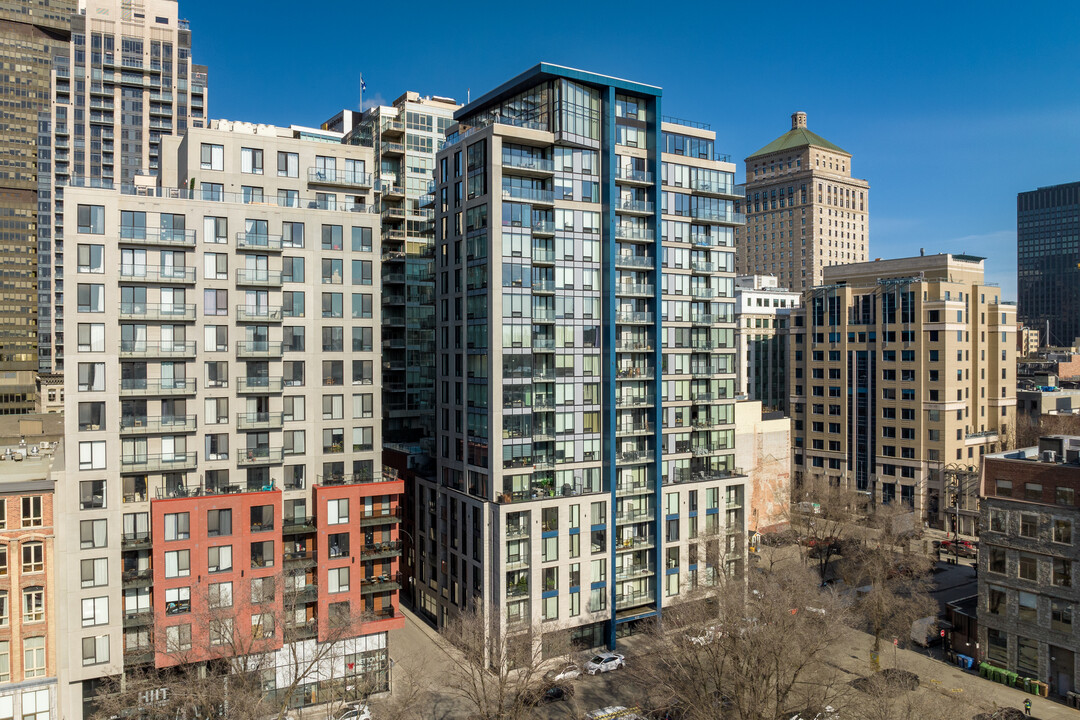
(706, 636)
(358, 711)
(604, 662)
(548, 694)
(568, 671)
(614, 712)
(963, 548)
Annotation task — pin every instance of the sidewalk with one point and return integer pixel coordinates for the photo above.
(935, 675)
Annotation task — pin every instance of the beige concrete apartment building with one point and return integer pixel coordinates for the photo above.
(585, 397)
(225, 358)
(804, 209)
(903, 377)
(762, 317)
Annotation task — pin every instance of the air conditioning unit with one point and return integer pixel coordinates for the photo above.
(1049, 456)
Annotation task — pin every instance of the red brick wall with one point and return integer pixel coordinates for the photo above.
(1019, 472)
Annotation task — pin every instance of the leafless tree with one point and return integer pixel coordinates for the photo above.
(1026, 433)
(824, 516)
(753, 655)
(892, 582)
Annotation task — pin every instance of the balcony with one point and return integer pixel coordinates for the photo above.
(635, 429)
(258, 278)
(171, 238)
(176, 462)
(137, 388)
(138, 578)
(391, 148)
(380, 551)
(258, 241)
(705, 450)
(536, 196)
(636, 318)
(135, 541)
(543, 286)
(543, 315)
(250, 457)
(138, 618)
(634, 457)
(702, 292)
(634, 345)
(380, 583)
(636, 262)
(296, 559)
(528, 164)
(346, 178)
(154, 425)
(635, 373)
(543, 256)
(206, 490)
(704, 319)
(708, 215)
(156, 311)
(635, 207)
(258, 421)
(258, 313)
(258, 349)
(634, 233)
(630, 600)
(635, 516)
(301, 595)
(635, 401)
(168, 275)
(543, 227)
(392, 127)
(140, 349)
(637, 542)
(635, 289)
(629, 572)
(629, 176)
(700, 267)
(713, 188)
(380, 518)
(258, 385)
(350, 479)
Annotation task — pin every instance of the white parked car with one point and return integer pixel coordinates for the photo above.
(706, 636)
(569, 671)
(604, 662)
(359, 711)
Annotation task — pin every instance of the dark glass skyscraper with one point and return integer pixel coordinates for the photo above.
(1048, 261)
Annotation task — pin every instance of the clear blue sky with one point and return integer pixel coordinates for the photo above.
(949, 109)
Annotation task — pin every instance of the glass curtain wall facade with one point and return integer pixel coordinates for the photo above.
(584, 295)
(125, 80)
(1048, 262)
(31, 33)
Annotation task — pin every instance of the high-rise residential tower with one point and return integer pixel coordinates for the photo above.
(125, 81)
(1048, 262)
(32, 32)
(903, 374)
(804, 209)
(405, 136)
(585, 387)
(225, 491)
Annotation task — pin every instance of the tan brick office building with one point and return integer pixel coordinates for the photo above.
(902, 371)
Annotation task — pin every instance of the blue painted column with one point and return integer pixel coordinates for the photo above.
(609, 302)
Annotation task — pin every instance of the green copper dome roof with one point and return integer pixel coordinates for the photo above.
(798, 138)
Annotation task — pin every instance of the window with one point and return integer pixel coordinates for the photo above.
(1062, 572)
(251, 161)
(262, 518)
(95, 572)
(92, 219)
(212, 157)
(31, 511)
(995, 600)
(34, 657)
(262, 625)
(178, 638)
(91, 377)
(92, 456)
(91, 298)
(215, 230)
(219, 559)
(337, 511)
(177, 526)
(91, 416)
(95, 611)
(1029, 525)
(33, 604)
(33, 557)
(5, 662)
(262, 554)
(91, 493)
(288, 164)
(220, 595)
(331, 237)
(91, 337)
(1027, 606)
(1063, 531)
(221, 631)
(215, 266)
(338, 580)
(262, 590)
(997, 560)
(218, 523)
(177, 563)
(1028, 567)
(1033, 492)
(1061, 613)
(93, 533)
